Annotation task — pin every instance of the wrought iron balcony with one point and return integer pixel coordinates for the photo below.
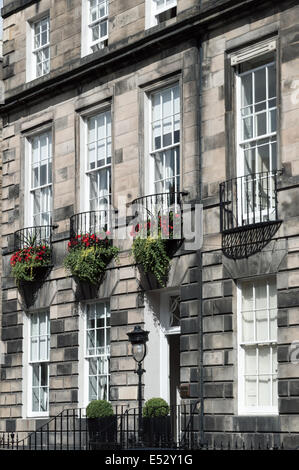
(248, 201)
(92, 222)
(153, 207)
(33, 237)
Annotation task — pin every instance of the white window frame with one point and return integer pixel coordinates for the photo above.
(152, 11)
(31, 62)
(84, 356)
(85, 172)
(86, 28)
(29, 190)
(242, 408)
(241, 142)
(28, 367)
(150, 152)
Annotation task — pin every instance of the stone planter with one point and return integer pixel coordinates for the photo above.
(157, 431)
(102, 433)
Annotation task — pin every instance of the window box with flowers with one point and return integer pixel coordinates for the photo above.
(31, 262)
(87, 259)
(153, 246)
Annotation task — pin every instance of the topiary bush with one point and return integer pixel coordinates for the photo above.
(99, 409)
(155, 407)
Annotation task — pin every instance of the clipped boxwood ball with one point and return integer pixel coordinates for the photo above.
(99, 409)
(155, 407)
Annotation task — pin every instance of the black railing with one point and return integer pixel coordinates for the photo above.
(71, 430)
(33, 236)
(153, 207)
(248, 201)
(92, 222)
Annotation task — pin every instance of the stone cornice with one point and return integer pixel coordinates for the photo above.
(14, 6)
(132, 49)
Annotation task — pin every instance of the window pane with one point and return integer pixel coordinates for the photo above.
(35, 399)
(261, 294)
(169, 164)
(101, 341)
(43, 175)
(167, 132)
(92, 367)
(262, 325)
(246, 81)
(34, 325)
(250, 361)
(35, 375)
(34, 350)
(91, 129)
(264, 391)
(156, 107)
(93, 388)
(247, 327)
(91, 342)
(102, 388)
(264, 360)
(158, 166)
(44, 399)
(100, 315)
(44, 375)
(250, 391)
(273, 121)
(43, 349)
(260, 85)
(249, 155)
(261, 124)
(263, 160)
(44, 147)
(247, 128)
(166, 103)
(247, 296)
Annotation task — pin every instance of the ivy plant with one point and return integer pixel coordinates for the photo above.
(151, 245)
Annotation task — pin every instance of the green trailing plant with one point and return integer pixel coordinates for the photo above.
(152, 255)
(99, 409)
(155, 407)
(88, 256)
(151, 245)
(25, 261)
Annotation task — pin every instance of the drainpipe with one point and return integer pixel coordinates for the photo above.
(199, 255)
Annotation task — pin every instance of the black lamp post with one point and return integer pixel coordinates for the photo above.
(138, 338)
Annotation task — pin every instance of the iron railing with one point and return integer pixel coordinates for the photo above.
(153, 207)
(71, 430)
(92, 222)
(248, 201)
(33, 236)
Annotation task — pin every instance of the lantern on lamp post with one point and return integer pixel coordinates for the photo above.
(138, 338)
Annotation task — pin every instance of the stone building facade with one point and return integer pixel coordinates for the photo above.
(227, 69)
